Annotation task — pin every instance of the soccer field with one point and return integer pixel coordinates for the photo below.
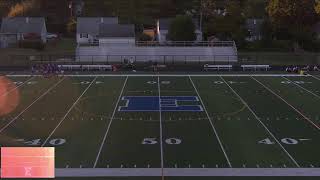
(167, 125)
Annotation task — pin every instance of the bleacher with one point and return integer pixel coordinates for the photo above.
(160, 54)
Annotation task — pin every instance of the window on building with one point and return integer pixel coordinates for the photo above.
(84, 35)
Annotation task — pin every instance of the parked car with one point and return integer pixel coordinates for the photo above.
(52, 36)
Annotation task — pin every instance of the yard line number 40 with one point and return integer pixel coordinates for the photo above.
(37, 142)
(288, 141)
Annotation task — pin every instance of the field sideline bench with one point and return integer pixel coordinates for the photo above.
(86, 67)
(158, 67)
(208, 67)
(255, 67)
(70, 67)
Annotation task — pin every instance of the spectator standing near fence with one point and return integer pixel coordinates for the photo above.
(33, 69)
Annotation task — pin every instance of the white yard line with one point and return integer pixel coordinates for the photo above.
(109, 125)
(310, 92)
(172, 75)
(211, 123)
(186, 172)
(304, 116)
(160, 122)
(315, 77)
(45, 93)
(265, 127)
(64, 117)
(11, 90)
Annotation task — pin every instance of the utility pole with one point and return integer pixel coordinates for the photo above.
(71, 8)
(201, 15)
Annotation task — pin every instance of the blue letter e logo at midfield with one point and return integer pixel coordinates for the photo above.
(167, 104)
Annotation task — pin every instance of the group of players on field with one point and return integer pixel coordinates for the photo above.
(47, 70)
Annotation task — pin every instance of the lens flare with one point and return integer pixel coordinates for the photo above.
(9, 96)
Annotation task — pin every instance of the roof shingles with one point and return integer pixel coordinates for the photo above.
(116, 30)
(22, 25)
(90, 25)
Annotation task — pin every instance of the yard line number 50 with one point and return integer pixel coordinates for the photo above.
(171, 141)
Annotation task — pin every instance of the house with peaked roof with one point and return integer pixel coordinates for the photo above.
(116, 34)
(17, 29)
(163, 26)
(91, 29)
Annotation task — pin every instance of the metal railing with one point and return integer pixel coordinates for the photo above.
(118, 59)
(187, 43)
(161, 59)
(242, 58)
(166, 43)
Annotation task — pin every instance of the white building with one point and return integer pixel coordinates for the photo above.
(16, 29)
(116, 35)
(91, 29)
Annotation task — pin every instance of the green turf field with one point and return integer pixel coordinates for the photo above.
(167, 125)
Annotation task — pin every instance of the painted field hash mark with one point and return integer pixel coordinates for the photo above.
(36, 100)
(263, 124)
(109, 125)
(212, 125)
(293, 107)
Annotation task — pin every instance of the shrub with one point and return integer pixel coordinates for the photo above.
(144, 37)
(182, 29)
(37, 45)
